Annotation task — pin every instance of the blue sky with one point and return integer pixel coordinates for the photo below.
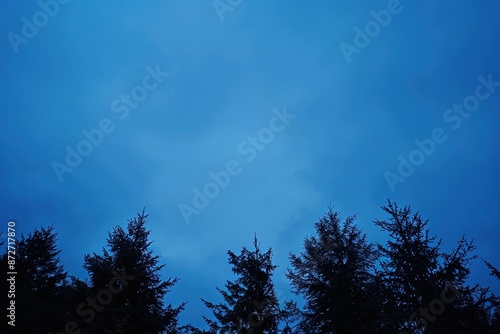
(221, 83)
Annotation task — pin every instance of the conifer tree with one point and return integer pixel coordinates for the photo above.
(425, 287)
(494, 271)
(250, 302)
(495, 300)
(38, 283)
(129, 266)
(335, 276)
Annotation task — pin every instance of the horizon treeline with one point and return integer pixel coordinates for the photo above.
(347, 283)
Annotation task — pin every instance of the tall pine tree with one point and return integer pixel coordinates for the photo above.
(129, 263)
(495, 300)
(250, 303)
(334, 274)
(425, 287)
(40, 303)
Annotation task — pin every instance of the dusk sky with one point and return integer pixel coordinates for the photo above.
(228, 118)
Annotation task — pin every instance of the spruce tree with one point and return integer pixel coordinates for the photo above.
(335, 275)
(495, 300)
(493, 270)
(425, 288)
(39, 283)
(250, 303)
(129, 266)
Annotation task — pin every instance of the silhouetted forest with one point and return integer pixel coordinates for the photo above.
(348, 285)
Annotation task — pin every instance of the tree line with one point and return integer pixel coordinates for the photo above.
(347, 284)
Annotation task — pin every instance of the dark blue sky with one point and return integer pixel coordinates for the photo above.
(300, 104)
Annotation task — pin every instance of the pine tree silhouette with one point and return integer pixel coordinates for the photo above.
(250, 303)
(39, 283)
(335, 275)
(138, 307)
(424, 287)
